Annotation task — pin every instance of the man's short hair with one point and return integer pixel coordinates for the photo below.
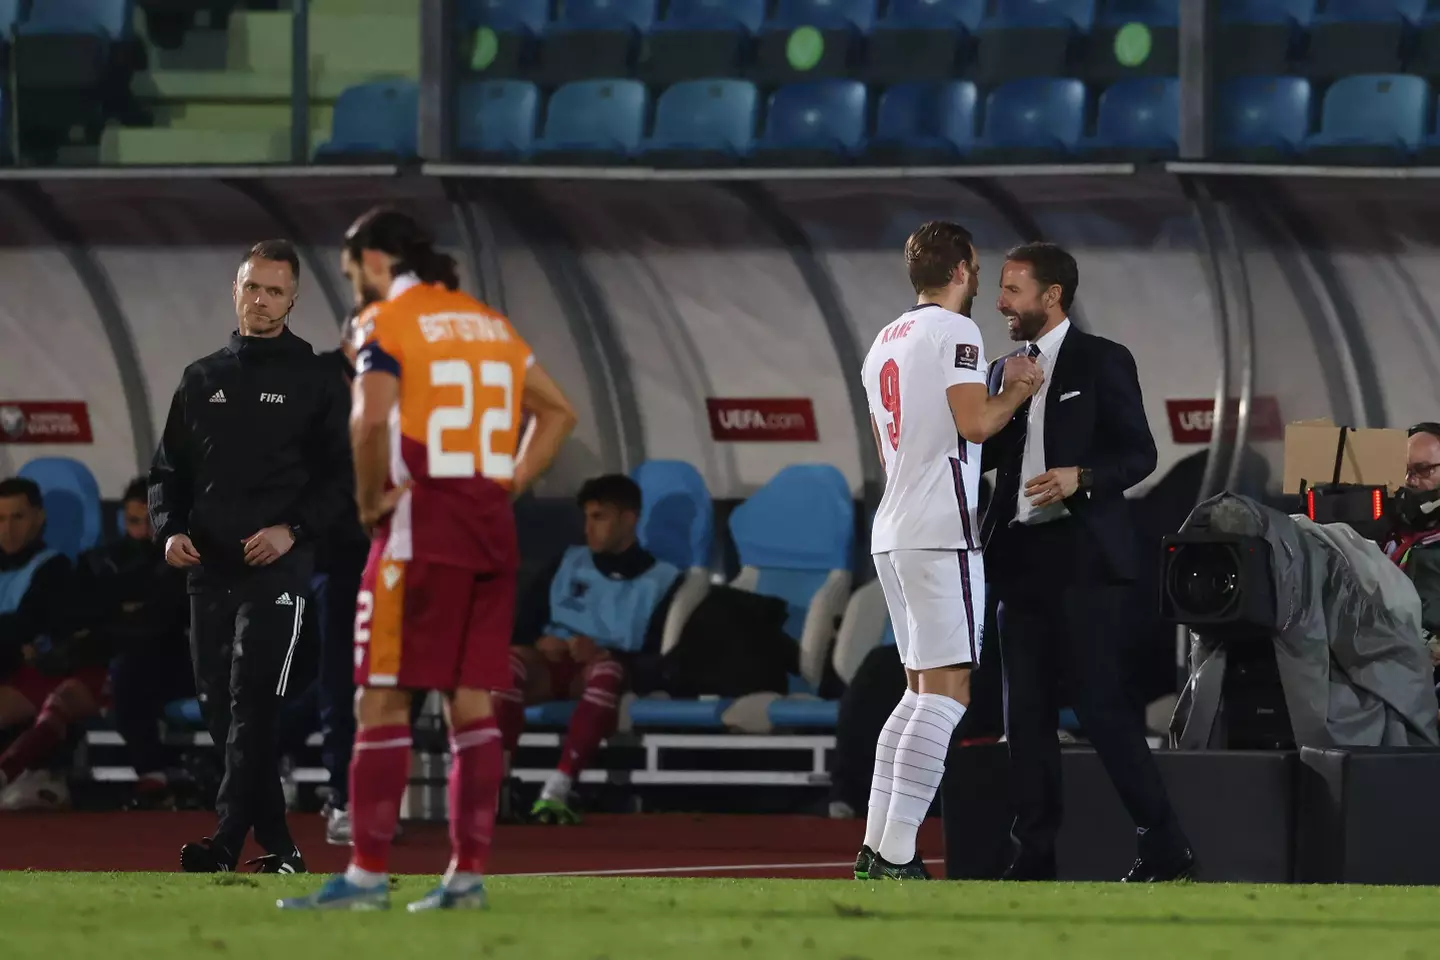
(137, 490)
(1425, 426)
(1051, 265)
(613, 489)
(277, 251)
(22, 487)
(933, 252)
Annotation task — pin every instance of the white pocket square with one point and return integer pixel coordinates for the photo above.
(1068, 396)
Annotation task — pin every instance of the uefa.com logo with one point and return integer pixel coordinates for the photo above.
(784, 419)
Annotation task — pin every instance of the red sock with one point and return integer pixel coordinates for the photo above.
(379, 771)
(477, 763)
(595, 716)
(510, 705)
(35, 745)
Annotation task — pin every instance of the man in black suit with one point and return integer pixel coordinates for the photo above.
(1060, 556)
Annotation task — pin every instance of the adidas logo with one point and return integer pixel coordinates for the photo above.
(218, 397)
(284, 601)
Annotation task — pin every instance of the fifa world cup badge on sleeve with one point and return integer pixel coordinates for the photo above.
(967, 356)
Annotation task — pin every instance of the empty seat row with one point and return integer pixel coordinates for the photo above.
(1372, 119)
(708, 122)
(909, 40)
(1330, 39)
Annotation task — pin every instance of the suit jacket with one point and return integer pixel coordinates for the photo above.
(1095, 418)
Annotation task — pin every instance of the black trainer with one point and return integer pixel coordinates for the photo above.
(882, 869)
(276, 863)
(864, 863)
(206, 856)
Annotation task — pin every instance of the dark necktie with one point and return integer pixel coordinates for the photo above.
(1033, 352)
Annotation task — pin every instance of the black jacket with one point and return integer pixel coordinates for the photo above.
(1100, 425)
(256, 437)
(347, 544)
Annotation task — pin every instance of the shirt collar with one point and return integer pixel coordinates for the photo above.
(401, 284)
(1050, 343)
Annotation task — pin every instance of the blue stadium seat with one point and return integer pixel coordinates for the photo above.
(72, 503)
(794, 537)
(1137, 120)
(703, 123)
(72, 61)
(376, 122)
(1261, 37)
(107, 18)
(701, 39)
(594, 39)
(803, 714)
(1160, 17)
(922, 40)
(495, 120)
(841, 24)
(924, 124)
(1031, 38)
(1370, 120)
(1350, 37)
(1429, 153)
(554, 714)
(1034, 120)
(1262, 119)
(818, 122)
(705, 714)
(503, 34)
(184, 713)
(862, 627)
(594, 121)
(677, 524)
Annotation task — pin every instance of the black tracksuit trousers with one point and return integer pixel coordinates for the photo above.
(243, 637)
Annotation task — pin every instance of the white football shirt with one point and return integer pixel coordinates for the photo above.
(932, 474)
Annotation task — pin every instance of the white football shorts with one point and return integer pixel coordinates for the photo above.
(936, 600)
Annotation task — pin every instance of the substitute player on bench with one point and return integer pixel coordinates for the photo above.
(441, 383)
(925, 380)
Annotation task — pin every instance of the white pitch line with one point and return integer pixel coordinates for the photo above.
(726, 868)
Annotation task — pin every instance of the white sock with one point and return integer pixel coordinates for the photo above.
(919, 766)
(364, 878)
(885, 768)
(557, 787)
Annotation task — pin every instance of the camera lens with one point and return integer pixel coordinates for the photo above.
(1204, 579)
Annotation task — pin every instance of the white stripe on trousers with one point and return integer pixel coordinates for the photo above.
(294, 642)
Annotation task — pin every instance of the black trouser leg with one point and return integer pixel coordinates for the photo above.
(1094, 626)
(143, 681)
(335, 610)
(1028, 650)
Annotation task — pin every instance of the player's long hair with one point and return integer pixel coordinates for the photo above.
(402, 237)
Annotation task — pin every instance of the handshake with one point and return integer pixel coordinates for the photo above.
(1022, 375)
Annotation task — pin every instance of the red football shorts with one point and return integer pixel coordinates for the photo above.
(37, 687)
(429, 626)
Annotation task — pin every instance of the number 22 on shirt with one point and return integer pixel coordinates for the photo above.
(491, 430)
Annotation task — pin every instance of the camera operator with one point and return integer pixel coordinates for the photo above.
(1414, 543)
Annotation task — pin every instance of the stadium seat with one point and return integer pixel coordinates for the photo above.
(72, 503)
(375, 122)
(1031, 38)
(1137, 121)
(593, 122)
(495, 120)
(184, 713)
(922, 40)
(1260, 37)
(706, 713)
(865, 625)
(830, 31)
(1350, 37)
(924, 124)
(820, 122)
(702, 123)
(677, 524)
(1429, 153)
(9, 18)
(1032, 121)
(1370, 120)
(701, 39)
(794, 537)
(72, 64)
(594, 39)
(1161, 20)
(503, 35)
(1424, 59)
(1262, 119)
(553, 714)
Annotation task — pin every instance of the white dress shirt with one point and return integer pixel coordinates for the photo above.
(1032, 461)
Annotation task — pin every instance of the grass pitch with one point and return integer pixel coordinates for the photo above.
(160, 916)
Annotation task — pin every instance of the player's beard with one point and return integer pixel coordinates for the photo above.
(1026, 324)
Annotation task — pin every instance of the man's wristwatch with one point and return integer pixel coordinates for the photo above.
(1087, 478)
(296, 532)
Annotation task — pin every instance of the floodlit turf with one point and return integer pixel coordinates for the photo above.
(160, 916)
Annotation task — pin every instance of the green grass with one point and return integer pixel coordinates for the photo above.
(159, 916)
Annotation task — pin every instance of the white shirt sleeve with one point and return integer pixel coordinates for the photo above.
(962, 351)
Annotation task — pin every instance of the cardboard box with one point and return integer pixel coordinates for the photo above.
(1374, 457)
